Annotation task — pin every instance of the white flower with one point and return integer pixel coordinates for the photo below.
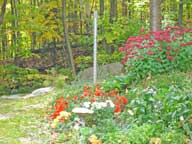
(96, 105)
(130, 112)
(76, 127)
(151, 91)
(110, 103)
(87, 104)
(182, 118)
(82, 110)
(103, 104)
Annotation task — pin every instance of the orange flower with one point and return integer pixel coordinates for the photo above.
(123, 99)
(106, 94)
(93, 99)
(113, 93)
(82, 97)
(98, 87)
(74, 98)
(117, 109)
(98, 92)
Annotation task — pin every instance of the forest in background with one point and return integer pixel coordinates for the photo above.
(48, 29)
(56, 36)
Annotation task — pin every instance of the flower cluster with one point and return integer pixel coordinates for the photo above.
(63, 116)
(158, 47)
(60, 105)
(92, 97)
(92, 100)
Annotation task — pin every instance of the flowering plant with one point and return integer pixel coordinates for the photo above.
(93, 99)
(158, 51)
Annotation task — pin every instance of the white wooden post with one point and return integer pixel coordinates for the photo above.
(95, 49)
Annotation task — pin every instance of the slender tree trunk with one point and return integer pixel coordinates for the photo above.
(3, 29)
(180, 15)
(155, 15)
(87, 16)
(101, 14)
(124, 8)
(188, 11)
(113, 10)
(129, 9)
(81, 16)
(75, 15)
(14, 36)
(66, 36)
(3, 9)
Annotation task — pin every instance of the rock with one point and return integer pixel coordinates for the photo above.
(39, 92)
(102, 71)
(4, 117)
(16, 96)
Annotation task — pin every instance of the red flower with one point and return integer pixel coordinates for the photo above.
(123, 100)
(98, 92)
(150, 53)
(117, 109)
(54, 115)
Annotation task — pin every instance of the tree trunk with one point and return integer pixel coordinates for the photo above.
(3, 9)
(75, 15)
(87, 16)
(180, 15)
(66, 37)
(113, 10)
(81, 16)
(155, 15)
(101, 14)
(124, 8)
(188, 11)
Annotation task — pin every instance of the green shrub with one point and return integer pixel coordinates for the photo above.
(14, 79)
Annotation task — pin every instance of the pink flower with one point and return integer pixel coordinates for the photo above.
(169, 47)
(170, 57)
(150, 53)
